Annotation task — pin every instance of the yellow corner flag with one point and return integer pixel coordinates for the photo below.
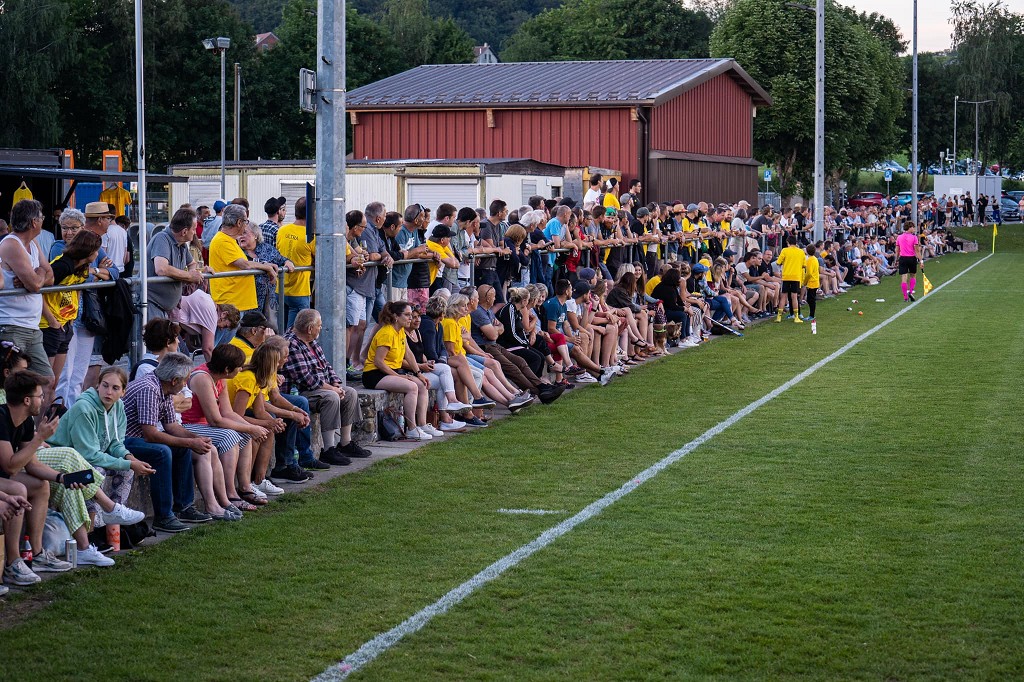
(927, 285)
(995, 231)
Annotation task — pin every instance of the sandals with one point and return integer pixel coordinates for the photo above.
(245, 505)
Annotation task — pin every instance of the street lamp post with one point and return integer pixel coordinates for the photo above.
(956, 101)
(977, 167)
(220, 46)
(819, 114)
(913, 150)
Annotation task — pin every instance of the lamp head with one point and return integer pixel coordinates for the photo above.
(223, 43)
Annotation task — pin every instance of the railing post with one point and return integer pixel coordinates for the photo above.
(282, 318)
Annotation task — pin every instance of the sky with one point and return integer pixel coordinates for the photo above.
(933, 19)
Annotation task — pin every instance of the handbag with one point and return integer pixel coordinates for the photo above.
(388, 425)
(92, 313)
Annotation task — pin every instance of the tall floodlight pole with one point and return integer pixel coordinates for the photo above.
(977, 166)
(956, 101)
(140, 154)
(913, 144)
(330, 177)
(220, 46)
(819, 124)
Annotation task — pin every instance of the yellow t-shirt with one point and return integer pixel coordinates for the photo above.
(118, 196)
(238, 291)
(690, 230)
(394, 340)
(791, 260)
(443, 251)
(611, 200)
(706, 262)
(453, 333)
(244, 347)
(246, 381)
(23, 192)
(291, 242)
(64, 304)
(651, 283)
(811, 269)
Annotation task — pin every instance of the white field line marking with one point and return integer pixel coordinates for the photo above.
(384, 641)
(535, 512)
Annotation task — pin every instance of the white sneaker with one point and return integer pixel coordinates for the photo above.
(429, 428)
(606, 375)
(416, 433)
(456, 406)
(20, 574)
(619, 370)
(47, 562)
(4, 590)
(267, 487)
(122, 515)
(585, 378)
(257, 493)
(92, 557)
(454, 425)
(688, 343)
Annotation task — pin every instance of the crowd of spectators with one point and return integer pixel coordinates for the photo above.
(456, 310)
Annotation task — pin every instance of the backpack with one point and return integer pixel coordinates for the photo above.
(145, 361)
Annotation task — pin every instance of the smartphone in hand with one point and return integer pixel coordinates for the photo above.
(84, 477)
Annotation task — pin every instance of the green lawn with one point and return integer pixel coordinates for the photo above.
(865, 524)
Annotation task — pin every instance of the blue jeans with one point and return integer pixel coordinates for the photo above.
(292, 306)
(171, 487)
(294, 437)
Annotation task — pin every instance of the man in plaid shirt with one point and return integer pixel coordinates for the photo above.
(308, 371)
(154, 435)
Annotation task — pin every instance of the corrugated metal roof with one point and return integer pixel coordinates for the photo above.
(533, 84)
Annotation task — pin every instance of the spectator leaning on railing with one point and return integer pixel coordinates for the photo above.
(227, 256)
(170, 257)
(24, 266)
(294, 245)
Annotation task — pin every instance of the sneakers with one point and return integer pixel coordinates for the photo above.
(20, 574)
(476, 422)
(798, 320)
(334, 456)
(521, 400)
(47, 562)
(4, 590)
(434, 433)
(266, 487)
(586, 378)
(454, 425)
(910, 295)
(778, 316)
(417, 433)
(255, 492)
(606, 375)
(353, 449)
(315, 465)
(483, 401)
(93, 557)
(575, 370)
(456, 406)
(169, 525)
(291, 474)
(123, 515)
(688, 342)
(192, 515)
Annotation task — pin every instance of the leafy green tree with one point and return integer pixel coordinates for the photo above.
(264, 15)
(607, 29)
(36, 43)
(863, 99)
(936, 75)
(989, 43)
(424, 39)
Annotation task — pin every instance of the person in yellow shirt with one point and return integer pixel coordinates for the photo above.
(690, 234)
(440, 243)
(291, 242)
(611, 194)
(227, 256)
(791, 260)
(390, 366)
(811, 279)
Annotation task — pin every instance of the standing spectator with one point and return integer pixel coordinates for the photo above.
(170, 256)
(60, 309)
(212, 224)
(23, 265)
(593, 196)
(276, 212)
(445, 271)
(413, 238)
(293, 244)
(360, 287)
(116, 244)
(376, 215)
(308, 371)
(156, 437)
(258, 250)
(492, 244)
(227, 256)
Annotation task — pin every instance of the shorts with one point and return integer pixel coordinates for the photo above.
(908, 265)
(790, 286)
(356, 306)
(56, 340)
(419, 297)
(30, 341)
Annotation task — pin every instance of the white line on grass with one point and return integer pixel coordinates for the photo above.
(384, 641)
(535, 512)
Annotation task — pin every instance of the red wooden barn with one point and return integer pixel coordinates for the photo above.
(683, 126)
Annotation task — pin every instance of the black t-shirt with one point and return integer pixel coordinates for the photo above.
(15, 435)
(488, 231)
(419, 275)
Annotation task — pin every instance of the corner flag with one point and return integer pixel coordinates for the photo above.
(995, 231)
(927, 285)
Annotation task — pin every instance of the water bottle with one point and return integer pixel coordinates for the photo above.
(814, 327)
(294, 390)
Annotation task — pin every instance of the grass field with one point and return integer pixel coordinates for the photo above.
(864, 524)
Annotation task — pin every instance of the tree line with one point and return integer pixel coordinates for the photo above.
(68, 75)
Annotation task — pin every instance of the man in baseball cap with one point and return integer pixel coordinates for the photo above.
(275, 210)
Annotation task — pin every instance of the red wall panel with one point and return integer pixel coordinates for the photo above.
(713, 118)
(606, 138)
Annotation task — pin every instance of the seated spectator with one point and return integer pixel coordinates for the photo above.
(478, 355)
(308, 371)
(456, 337)
(438, 373)
(676, 308)
(468, 379)
(170, 256)
(155, 436)
(390, 366)
(25, 460)
(212, 416)
(227, 256)
(95, 428)
(486, 330)
(60, 309)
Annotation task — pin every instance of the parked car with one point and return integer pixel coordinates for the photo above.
(903, 198)
(892, 165)
(867, 199)
(1009, 210)
(1014, 194)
